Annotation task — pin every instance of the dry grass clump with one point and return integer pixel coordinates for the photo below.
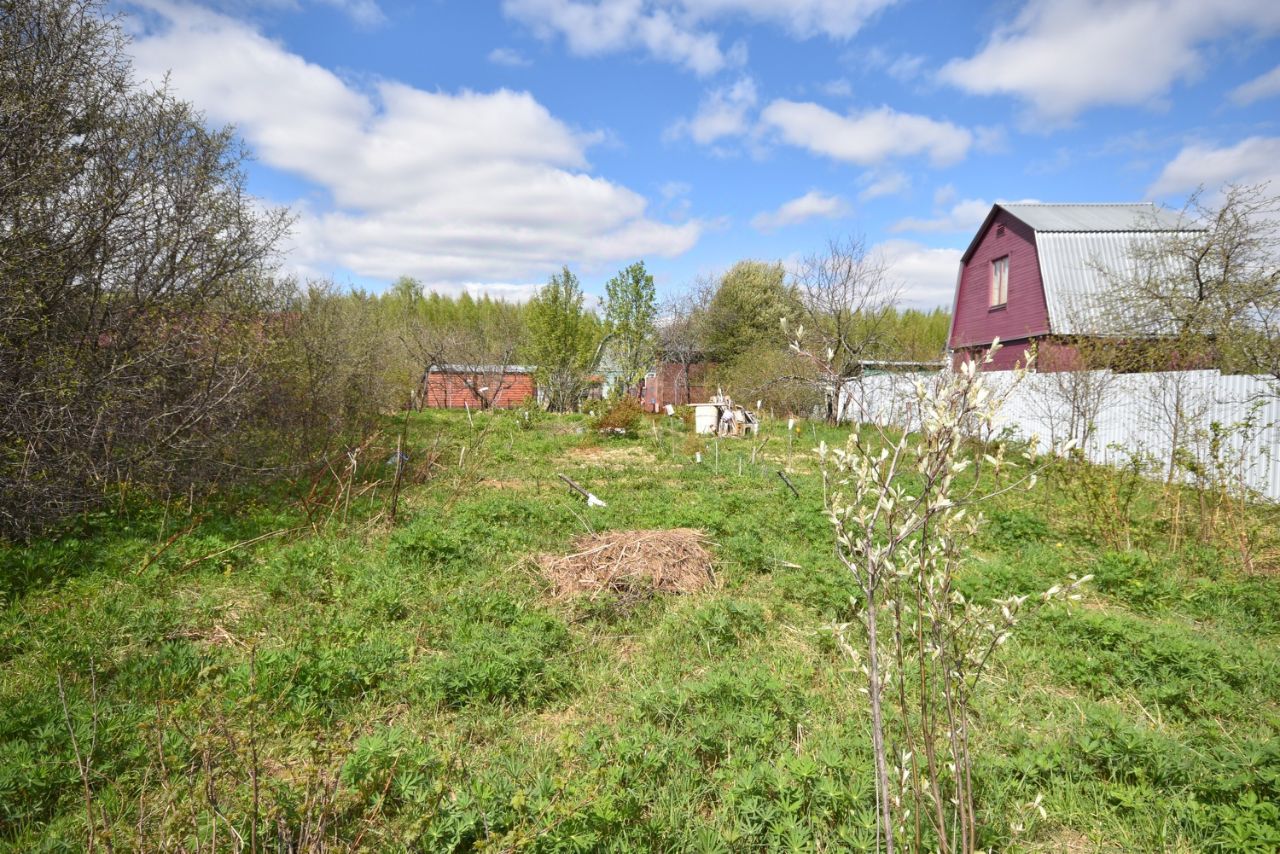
(631, 563)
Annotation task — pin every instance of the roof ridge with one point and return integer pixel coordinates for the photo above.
(1078, 204)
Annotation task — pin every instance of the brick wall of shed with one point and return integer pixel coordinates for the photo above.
(1024, 314)
(450, 391)
(670, 386)
(1010, 355)
(1051, 355)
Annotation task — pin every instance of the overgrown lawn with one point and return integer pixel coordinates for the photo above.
(415, 687)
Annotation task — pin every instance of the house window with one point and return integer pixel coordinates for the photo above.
(999, 281)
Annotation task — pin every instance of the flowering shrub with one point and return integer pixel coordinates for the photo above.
(901, 513)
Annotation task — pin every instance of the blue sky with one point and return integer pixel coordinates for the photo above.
(481, 145)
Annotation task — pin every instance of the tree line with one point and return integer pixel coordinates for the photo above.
(734, 330)
(149, 343)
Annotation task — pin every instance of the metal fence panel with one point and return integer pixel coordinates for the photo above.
(1200, 418)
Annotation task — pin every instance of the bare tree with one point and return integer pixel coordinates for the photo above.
(328, 370)
(846, 304)
(1206, 293)
(483, 356)
(681, 338)
(480, 353)
(1075, 386)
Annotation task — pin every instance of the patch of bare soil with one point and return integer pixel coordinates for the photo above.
(632, 563)
(493, 483)
(1068, 841)
(613, 457)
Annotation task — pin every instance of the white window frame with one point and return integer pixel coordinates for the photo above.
(999, 294)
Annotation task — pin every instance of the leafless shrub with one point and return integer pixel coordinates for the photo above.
(131, 273)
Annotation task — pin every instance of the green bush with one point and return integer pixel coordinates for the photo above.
(623, 416)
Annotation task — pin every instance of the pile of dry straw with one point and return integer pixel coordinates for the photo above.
(631, 563)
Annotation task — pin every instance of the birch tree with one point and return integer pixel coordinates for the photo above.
(631, 312)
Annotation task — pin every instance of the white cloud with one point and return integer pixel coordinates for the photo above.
(812, 204)
(903, 67)
(876, 184)
(509, 57)
(869, 137)
(675, 189)
(944, 195)
(1250, 161)
(366, 13)
(1264, 86)
(611, 26)
(926, 275)
(502, 290)
(964, 216)
(1064, 56)
(838, 19)
(838, 88)
(675, 30)
(722, 112)
(449, 188)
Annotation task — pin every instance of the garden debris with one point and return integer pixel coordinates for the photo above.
(632, 562)
(592, 501)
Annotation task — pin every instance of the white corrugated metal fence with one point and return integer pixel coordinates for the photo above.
(1114, 416)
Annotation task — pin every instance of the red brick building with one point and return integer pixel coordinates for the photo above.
(669, 384)
(477, 386)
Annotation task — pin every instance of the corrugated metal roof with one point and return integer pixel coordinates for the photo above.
(1078, 269)
(480, 369)
(1071, 265)
(1096, 217)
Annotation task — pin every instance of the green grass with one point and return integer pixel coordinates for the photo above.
(414, 687)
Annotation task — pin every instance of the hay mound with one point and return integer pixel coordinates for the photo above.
(631, 563)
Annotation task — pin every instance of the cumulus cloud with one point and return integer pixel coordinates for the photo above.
(868, 137)
(448, 187)
(509, 57)
(676, 31)
(837, 88)
(1261, 87)
(723, 112)
(876, 184)
(926, 275)
(965, 215)
(811, 205)
(1064, 56)
(612, 26)
(1250, 161)
(366, 13)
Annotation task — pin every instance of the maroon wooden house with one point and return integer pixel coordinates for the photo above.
(1033, 275)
